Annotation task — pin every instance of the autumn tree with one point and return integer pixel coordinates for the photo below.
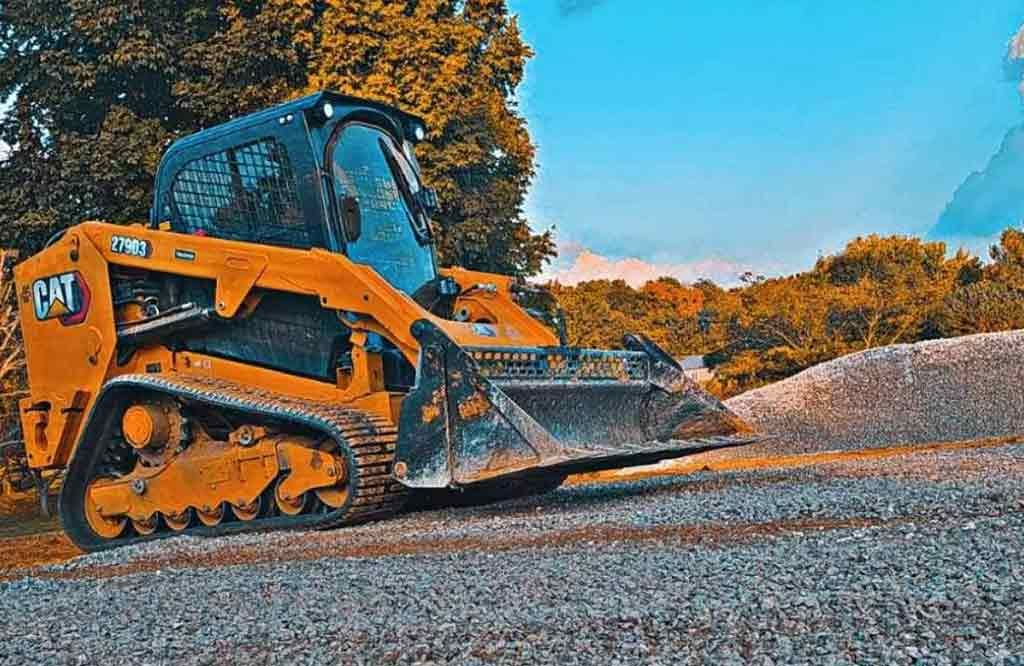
(12, 353)
(988, 298)
(778, 327)
(1007, 265)
(99, 88)
(457, 63)
(876, 291)
(600, 312)
(982, 307)
(888, 288)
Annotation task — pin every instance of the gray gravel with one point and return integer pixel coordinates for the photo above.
(915, 559)
(937, 391)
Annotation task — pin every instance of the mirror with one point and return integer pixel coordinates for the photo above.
(351, 218)
(426, 197)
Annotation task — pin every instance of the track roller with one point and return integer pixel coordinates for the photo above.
(280, 462)
(179, 522)
(261, 507)
(147, 526)
(211, 517)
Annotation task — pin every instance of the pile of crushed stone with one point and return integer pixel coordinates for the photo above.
(937, 391)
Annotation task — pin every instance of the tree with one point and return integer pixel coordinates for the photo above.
(101, 87)
(601, 312)
(12, 352)
(458, 64)
(982, 307)
(887, 289)
(1007, 266)
(773, 328)
(877, 291)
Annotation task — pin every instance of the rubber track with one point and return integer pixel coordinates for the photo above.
(368, 439)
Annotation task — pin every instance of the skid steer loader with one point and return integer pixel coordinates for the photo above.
(277, 347)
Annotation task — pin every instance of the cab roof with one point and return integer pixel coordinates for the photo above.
(295, 106)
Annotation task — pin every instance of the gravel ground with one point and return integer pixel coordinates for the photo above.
(916, 559)
(937, 391)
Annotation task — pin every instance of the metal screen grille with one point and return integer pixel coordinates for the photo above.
(562, 364)
(245, 193)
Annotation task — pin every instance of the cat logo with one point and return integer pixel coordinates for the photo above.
(64, 297)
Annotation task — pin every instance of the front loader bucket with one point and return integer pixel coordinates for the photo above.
(478, 414)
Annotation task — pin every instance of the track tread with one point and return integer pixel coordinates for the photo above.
(370, 440)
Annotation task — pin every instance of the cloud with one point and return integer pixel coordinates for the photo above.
(1013, 61)
(987, 201)
(577, 263)
(568, 8)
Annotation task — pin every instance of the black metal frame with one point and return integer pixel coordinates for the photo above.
(246, 192)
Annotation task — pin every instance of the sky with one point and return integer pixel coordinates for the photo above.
(703, 139)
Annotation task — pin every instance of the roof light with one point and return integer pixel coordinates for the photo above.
(419, 132)
(328, 110)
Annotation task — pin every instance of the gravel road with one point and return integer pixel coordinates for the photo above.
(915, 559)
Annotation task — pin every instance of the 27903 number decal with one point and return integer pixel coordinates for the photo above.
(133, 247)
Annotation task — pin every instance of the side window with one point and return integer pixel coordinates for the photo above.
(245, 193)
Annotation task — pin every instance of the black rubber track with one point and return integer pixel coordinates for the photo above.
(367, 440)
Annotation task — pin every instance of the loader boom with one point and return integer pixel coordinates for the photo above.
(277, 347)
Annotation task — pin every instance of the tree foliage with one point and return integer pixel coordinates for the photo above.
(601, 312)
(877, 291)
(458, 64)
(99, 88)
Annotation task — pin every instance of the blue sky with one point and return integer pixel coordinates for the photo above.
(758, 132)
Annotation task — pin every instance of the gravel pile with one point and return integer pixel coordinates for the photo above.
(904, 560)
(937, 391)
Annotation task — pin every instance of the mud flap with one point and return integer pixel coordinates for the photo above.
(479, 414)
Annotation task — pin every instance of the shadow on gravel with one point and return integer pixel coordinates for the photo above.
(586, 497)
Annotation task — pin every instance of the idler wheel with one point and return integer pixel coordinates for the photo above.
(291, 506)
(105, 527)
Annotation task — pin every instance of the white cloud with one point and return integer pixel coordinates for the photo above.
(577, 263)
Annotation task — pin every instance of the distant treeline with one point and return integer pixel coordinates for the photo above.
(877, 291)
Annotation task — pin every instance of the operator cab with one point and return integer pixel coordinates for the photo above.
(326, 171)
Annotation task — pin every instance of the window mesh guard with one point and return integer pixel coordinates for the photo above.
(245, 193)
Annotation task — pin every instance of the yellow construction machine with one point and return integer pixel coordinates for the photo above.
(277, 347)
